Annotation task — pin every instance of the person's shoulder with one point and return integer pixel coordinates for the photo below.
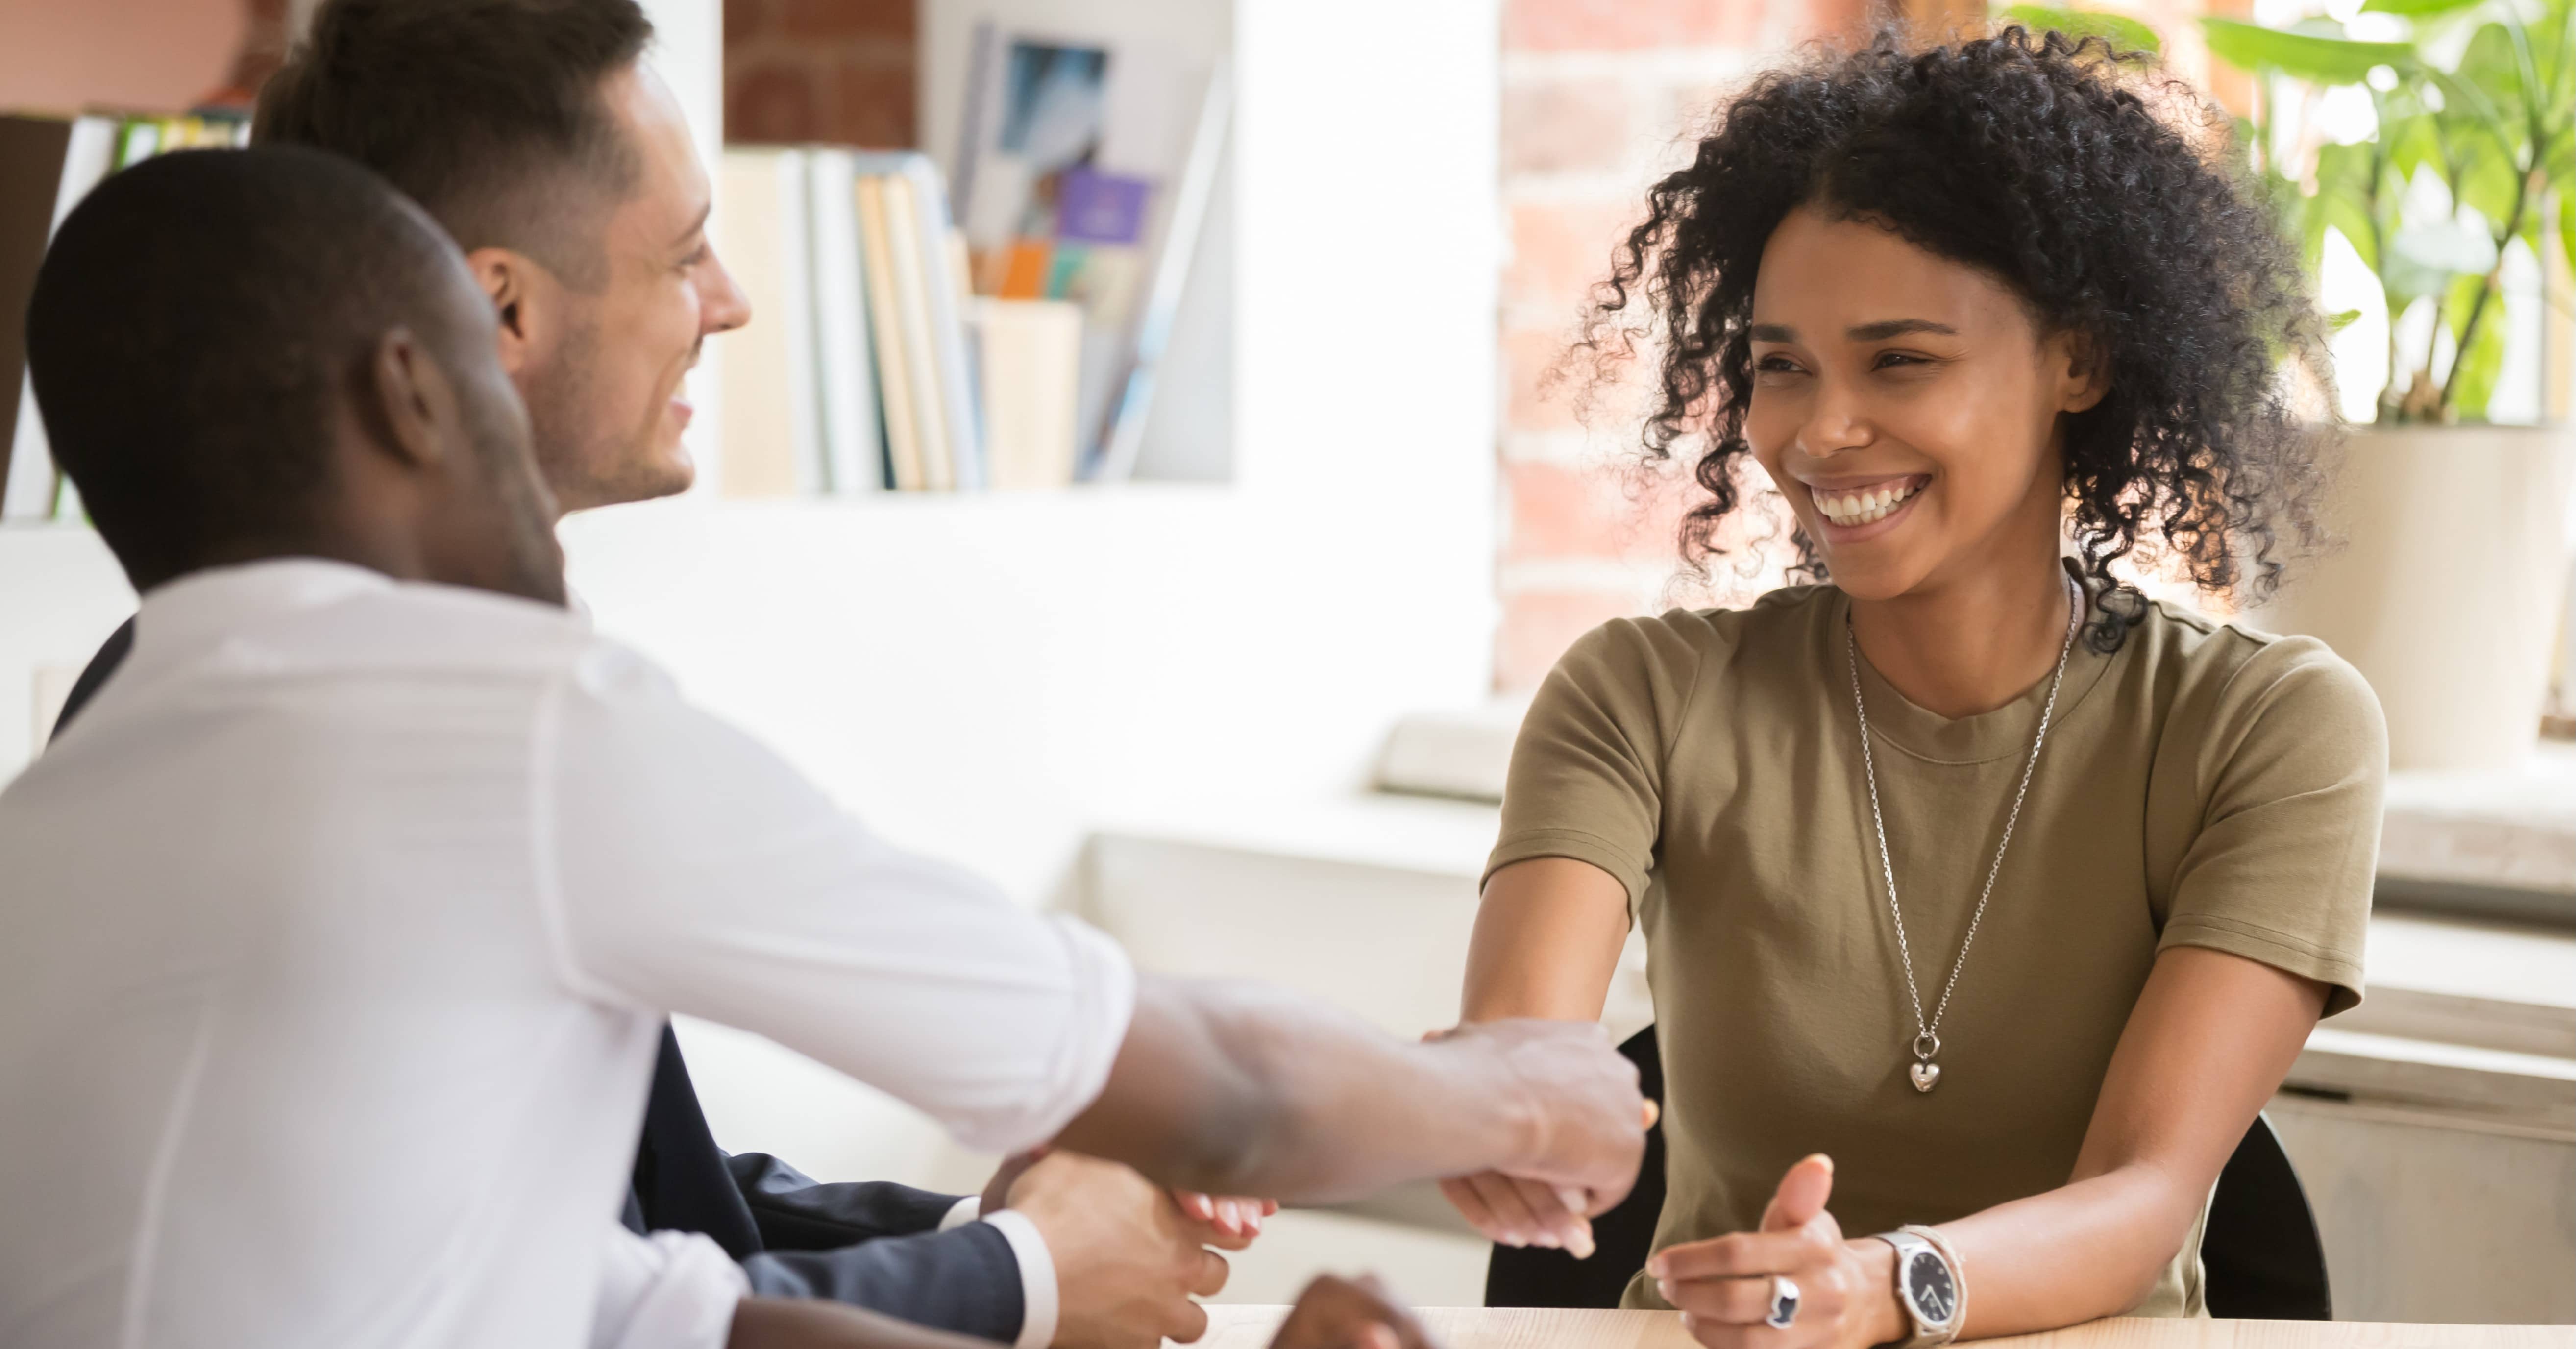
(1664, 655)
(429, 628)
(2244, 680)
(1688, 636)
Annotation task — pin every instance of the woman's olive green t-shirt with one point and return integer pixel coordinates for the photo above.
(2201, 786)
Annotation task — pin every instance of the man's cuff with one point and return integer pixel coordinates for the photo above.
(962, 1212)
(1037, 1276)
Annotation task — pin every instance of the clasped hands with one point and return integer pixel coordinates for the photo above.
(1722, 1286)
(1128, 1254)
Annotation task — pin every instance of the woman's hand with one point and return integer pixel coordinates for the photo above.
(1846, 1289)
(1517, 1211)
(1237, 1221)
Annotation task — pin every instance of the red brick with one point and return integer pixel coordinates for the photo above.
(744, 20)
(1560, 251)
(1556, 127)
(1629, 25)
(807, 20)
(1538, 626)
(1540, 389)
(1614, 508)
(872, 100)
(1843, 20)
(770, 102)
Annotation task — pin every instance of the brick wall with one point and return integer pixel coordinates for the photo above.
(1596, 96)
(820, 70)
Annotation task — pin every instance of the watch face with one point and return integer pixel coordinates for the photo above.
(1928, 1287)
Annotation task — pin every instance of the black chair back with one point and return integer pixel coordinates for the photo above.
(2260, 1254)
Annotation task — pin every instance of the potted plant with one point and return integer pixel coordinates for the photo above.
(2436, 137)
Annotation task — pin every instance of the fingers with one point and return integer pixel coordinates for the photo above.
(1801, 1194)
(1209, 1279)
(1560, 1214)
(1471, 1206)
(1334, 1313)
(1743, 1255)
(1742, 1301)
(1516, 1224)
(1188, 1321)
(1231, 1223)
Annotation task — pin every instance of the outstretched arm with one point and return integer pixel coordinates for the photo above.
(1238, 1090)
(1546, 945)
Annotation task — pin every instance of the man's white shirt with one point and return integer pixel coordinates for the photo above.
(340, 928)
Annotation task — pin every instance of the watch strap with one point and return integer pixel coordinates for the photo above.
(1911, 1243)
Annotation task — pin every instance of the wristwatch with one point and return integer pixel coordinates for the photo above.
(1928, 1286)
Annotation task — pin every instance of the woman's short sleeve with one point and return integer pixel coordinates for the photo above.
(1586, 778)
(2296, 767)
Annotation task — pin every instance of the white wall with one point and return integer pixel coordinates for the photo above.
(986, 677)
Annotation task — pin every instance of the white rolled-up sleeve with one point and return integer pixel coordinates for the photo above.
(671, 1290)
(683, 867)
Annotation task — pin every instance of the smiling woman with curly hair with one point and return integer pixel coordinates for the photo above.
(1984, 899)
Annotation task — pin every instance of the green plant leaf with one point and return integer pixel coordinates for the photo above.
(2318, 60)
(2419, 9)
(2567, 223)
(2428, 259)
(2473, 378)
(2121, 31)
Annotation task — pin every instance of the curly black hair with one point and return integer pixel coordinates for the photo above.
(2034, 158)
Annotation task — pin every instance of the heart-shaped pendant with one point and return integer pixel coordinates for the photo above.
(1926, 1075)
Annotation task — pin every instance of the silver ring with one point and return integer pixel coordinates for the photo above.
(1784, 1303)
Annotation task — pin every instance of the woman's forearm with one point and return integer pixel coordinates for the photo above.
(2088, 1249)
(1546, 943)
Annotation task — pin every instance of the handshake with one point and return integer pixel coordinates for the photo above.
(1532, 1126)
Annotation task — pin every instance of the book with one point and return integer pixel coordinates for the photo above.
(1083, 173)
(47, 165)
(912, 306)
(1029, 356)
(895, 381)
(925, 253)
(845, 357)
(772, 435)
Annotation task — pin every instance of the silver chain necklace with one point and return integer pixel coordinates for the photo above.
(1927, 1044)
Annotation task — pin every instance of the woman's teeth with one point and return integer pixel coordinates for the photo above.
(1862, 507)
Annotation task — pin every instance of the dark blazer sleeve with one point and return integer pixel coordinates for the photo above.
(965, 1280)
(872, 1245)
(798, 1213)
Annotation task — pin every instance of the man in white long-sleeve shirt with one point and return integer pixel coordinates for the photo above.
(341, 926)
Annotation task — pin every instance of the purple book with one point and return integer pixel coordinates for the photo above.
(1100, 208)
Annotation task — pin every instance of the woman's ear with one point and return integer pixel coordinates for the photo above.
(517, 289)
(2083, 373)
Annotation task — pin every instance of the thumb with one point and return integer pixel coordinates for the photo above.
(1801, 1195)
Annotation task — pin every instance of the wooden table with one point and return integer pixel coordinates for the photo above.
(1524, 1328)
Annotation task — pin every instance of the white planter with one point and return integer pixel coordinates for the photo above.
(2445, 594)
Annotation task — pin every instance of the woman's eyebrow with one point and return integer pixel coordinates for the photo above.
(1880, 332)
(1772, 332)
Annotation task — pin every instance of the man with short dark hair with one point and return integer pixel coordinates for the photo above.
(534, 134)
(343, 924)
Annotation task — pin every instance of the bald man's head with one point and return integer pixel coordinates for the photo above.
(219, 340)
